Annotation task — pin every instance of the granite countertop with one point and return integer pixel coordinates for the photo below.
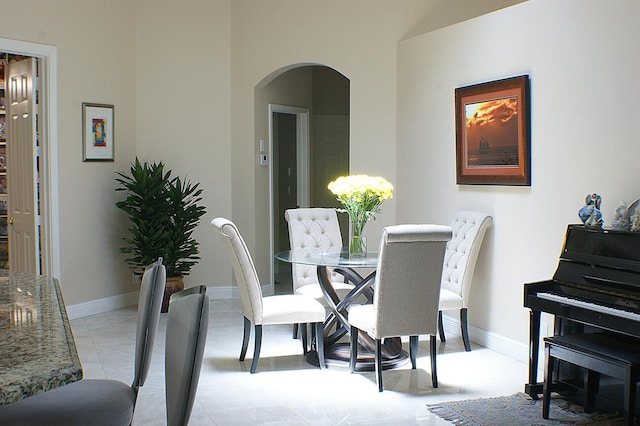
(37, 350)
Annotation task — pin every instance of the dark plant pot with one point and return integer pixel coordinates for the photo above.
(173, 285)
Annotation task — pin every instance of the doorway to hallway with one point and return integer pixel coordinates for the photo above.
(290, 179)
(34, 153)
(300, 171)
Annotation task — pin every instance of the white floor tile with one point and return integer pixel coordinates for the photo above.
(286, 390)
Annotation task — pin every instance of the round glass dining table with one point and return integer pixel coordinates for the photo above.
(336, 326)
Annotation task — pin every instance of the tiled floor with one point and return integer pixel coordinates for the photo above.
(286, 390)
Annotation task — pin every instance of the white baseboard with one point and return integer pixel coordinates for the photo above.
(106, 304)
(493, 341)
(232, 292)
(99, 306)
(511, 348)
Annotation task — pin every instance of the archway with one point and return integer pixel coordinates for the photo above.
(312, 103)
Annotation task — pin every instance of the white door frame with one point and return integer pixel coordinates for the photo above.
(48, 116)
(303, 167)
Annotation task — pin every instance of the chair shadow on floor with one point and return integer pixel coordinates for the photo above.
(275, 363)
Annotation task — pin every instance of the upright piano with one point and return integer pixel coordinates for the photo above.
(596, 285)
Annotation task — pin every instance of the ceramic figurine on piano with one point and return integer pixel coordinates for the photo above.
(621, 220)
(590, 214)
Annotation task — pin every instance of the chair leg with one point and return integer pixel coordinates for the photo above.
(245, 338)
(295, 331)
(441, 327)
(353, 353)
(413, 350)
(434, 366)
(303, 333)
(256, 350)
(464, 327)
(548, 379)
(320, 345)
(379, 364)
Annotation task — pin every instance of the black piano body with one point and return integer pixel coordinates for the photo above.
(596, 286)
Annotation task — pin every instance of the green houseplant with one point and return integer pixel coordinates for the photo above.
(163, 212)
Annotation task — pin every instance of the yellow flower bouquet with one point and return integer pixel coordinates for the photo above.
(361, 197)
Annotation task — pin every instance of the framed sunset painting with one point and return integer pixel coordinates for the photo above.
(493, 144)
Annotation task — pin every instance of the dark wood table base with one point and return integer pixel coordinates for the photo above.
(338, 356)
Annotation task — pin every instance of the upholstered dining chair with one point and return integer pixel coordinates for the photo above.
(259, 310)
(99, 402)
(406, 293)
(313, 229)
(469, 228)
(187, 324)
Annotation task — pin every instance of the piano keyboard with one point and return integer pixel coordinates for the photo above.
(588, 305)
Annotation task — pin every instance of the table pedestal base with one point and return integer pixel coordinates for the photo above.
(338, 356)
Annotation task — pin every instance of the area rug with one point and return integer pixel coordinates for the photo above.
(518, 410)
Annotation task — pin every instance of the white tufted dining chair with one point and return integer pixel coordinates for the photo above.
(313, 229)
(259, 310)
(469, 228)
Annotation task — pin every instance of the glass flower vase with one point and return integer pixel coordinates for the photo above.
(357, 242)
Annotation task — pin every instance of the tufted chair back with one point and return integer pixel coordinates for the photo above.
(311, 229)
(462, 252)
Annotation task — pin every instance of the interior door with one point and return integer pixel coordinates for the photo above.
(285, 189)
(21, 167)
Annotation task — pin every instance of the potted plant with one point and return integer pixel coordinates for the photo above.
(164, 212)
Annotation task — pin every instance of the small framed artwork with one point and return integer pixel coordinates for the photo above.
(493, 144)
(97, 132)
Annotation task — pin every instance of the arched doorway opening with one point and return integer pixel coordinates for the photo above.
(308, 146)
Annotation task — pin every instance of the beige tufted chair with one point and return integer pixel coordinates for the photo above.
(259, 310)
(407, 286)
(460, 258)
(312, 229)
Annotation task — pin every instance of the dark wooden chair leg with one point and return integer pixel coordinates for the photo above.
(441, 327)
(245, 338)
(378, 359)
(434, 365)
(413, 350)
(303, 334)
(548, 379)
(295, 331)
(464, 328)
(256, 350)
(353, 352)
(320, 345)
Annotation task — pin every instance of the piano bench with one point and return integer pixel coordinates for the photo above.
(598, 353)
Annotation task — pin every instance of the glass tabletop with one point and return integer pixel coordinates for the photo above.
(331, 257)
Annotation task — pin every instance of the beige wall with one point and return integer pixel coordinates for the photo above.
(96, 58)
(583, 70)
(183, 109)
(267, 37)
(182, 80)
